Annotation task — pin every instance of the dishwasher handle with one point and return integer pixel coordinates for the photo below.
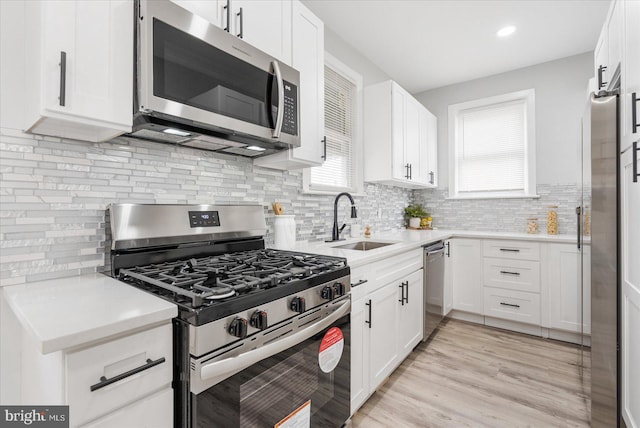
(435, 248)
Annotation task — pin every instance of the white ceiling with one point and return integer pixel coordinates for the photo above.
(424, 44)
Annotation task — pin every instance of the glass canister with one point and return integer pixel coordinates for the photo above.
(532, 225)
(552, 220)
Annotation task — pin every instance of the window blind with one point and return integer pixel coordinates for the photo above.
(491, 148)
(339, 118)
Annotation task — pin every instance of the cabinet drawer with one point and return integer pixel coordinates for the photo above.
(506, 249)
(384, 271)
(518, 275)
(128, 355)
(512, 305)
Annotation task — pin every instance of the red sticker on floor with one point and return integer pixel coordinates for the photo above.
(331, 349)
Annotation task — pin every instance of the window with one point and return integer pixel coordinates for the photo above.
(342, 123)
(492, 147)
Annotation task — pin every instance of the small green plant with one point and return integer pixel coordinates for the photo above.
(415, 211)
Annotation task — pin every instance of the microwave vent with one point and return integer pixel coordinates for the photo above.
(162, 137)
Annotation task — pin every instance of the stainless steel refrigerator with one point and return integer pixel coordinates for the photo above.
(598, 222)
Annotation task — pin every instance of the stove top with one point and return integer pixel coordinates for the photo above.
(230, 282)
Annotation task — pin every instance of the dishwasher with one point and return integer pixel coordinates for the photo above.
(433, 286)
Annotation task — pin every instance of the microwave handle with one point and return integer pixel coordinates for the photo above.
(280, 117)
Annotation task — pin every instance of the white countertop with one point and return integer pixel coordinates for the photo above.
(69, 312)
(405, 240)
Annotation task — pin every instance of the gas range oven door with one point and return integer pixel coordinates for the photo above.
(298, 372)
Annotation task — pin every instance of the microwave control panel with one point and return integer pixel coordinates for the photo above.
(290, 122)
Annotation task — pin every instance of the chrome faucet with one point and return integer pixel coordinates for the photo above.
(335, 234)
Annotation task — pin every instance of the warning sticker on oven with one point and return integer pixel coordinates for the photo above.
(331, 349)
(299, 418)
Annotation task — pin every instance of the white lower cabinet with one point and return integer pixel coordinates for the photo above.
(155, 411)
(512, 305)
(565, 290)
(125, 379)
(386, 320)
(466, 265)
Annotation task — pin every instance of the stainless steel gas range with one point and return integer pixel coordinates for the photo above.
(262, 337)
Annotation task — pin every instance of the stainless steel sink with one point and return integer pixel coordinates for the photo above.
(363, 245)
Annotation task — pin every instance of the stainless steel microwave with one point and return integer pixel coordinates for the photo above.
(199, 86)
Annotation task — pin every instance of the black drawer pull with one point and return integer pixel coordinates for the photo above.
(506, 272)
(365, 321)
(104, 381)
(509, 304)
(510, 250)
(362, 281)
(634, 113)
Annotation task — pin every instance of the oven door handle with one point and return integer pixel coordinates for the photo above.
(217, 371)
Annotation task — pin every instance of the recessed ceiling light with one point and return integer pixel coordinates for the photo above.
(177, 132)
(256, 148)
(506, 31)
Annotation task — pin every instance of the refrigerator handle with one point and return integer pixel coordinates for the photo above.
(578, 213)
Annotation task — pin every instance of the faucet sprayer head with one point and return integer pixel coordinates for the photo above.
(354, 213)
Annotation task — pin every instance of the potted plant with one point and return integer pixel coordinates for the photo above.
(415, 213)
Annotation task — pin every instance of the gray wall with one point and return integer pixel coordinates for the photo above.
(561, 97)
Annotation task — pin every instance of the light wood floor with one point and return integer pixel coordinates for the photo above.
(470, 375)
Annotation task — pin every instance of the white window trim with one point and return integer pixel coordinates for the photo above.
(358, 174)
(530, 147)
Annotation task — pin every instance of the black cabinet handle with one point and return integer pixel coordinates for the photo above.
(365, 321)
(634, 113)
(634, 154)
(241, 23)
(510, 250)
(63, 78)
(601, 70)
(324, 149)
(579, 214)
(407, 174)
(410, 172)
(401, 294)
(448, 249)
(406, 293)
(362, 281)
(506, 272)
(104, 381)
(227, 7)
(509, 304)
(431, 177)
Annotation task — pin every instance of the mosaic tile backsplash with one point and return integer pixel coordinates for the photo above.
(53, 195)
(502, 215)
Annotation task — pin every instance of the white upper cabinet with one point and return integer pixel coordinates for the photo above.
(400, 138)
(630, 91)
(608, 52)
(307, 53)
(265, 24)
(80, 68)
(211, 10)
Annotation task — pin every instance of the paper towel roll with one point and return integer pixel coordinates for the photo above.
(284, 229)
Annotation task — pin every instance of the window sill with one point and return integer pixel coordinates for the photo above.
(463, 197)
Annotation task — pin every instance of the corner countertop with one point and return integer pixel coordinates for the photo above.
(406, 240)
(70, 312)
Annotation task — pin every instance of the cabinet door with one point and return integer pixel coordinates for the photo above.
(467, 275)
(630, 278)
(265, 24)
(308, 59)
(96, 38)
(566, 310)
(630, 76)
(412, 139)
(359, 353)
(398, 135)
(614, 36)
(211, 10)
(383, 350)
(601, 59)
(431, 146)
(411, 313)
(448, 280)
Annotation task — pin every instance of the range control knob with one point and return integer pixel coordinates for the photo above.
(258, 320)
(338, 289)
(238, 328)
(327, 293)
(298, 305)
